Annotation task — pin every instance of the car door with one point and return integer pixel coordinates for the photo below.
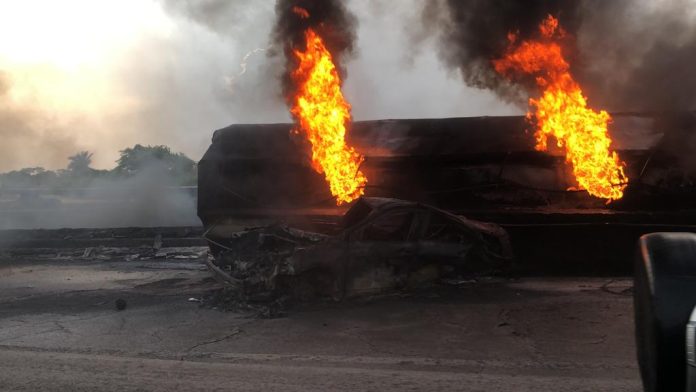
(383, 237)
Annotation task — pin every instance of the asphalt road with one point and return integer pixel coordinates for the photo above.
(59, 331)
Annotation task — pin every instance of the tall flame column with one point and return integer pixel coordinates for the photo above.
(323, 115)
(562, 112)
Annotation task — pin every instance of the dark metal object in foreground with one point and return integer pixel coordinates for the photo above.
(385, 244)
(665, 298)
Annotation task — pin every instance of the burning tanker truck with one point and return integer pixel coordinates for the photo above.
(341, 208)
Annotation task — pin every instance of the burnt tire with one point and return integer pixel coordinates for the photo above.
(664, 297)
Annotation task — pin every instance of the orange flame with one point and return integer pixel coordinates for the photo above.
(323, 115)
(561, 112)
(301, 12)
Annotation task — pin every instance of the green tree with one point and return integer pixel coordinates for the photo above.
(181, 168)
(80, 162)
(30, 177)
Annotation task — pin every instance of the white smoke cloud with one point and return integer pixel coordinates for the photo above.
(395, 77)
(104, 75)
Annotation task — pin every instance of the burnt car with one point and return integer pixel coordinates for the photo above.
(382, 245)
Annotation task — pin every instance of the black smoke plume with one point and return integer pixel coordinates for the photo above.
(639, 56)
(628, 55)
(329, 18)
(474, 32)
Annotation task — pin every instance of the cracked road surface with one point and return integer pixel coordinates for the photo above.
(59, 331)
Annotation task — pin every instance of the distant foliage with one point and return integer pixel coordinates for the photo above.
(138, 158)
(80, 162)
(30, 177)
(175, 169)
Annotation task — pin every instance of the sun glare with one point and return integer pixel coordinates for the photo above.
(60, 54)
(71, 33)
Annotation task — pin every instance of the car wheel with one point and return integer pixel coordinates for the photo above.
(664, 297)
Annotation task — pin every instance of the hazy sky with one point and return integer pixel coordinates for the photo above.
(102, 75)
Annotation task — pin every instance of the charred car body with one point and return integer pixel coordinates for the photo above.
(384, 244)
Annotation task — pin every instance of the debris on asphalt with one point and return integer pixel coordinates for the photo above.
(158, 242)
(121, 304)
